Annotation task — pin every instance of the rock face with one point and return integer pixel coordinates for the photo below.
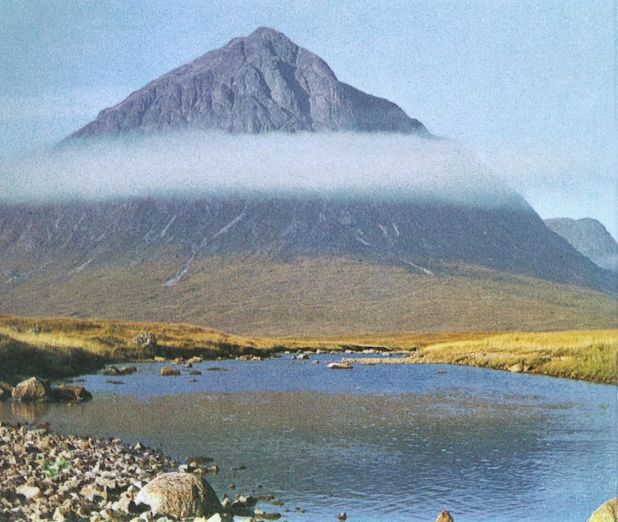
(263, 82)
(179, 495)
(607, 512)
(589, 237)
(32, 389)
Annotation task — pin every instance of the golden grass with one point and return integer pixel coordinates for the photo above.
(589, 355)
(60, 346)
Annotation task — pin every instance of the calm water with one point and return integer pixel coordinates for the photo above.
(386, 442)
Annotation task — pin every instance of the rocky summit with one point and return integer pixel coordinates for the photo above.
(259, 83)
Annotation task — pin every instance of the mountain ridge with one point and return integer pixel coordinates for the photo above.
(259, 83)
(590, 237)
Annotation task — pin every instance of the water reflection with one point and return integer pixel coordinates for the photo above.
(29, 412)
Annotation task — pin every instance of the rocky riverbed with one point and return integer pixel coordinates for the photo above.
(46, 476)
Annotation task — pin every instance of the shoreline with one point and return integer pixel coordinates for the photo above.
(49, 476)
(58, 348)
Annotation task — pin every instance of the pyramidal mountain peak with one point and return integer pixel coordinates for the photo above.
(259, 83)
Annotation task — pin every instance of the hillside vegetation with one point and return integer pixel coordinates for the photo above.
(58, 347)
(311, 297)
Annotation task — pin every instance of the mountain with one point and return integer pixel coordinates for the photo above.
(305, 263)
(298, 267)
(589, 237)
(263, 82)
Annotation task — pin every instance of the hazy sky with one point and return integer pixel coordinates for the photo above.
(528, 85)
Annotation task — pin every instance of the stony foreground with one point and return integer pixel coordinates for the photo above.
(45, 476)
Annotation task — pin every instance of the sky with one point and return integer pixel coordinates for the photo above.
(529, 86)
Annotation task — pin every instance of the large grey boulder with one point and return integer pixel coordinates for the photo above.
(32, 389)
(179, 495)
(607, 512)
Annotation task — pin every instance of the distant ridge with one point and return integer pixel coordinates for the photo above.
(259, 83)
(590, 237)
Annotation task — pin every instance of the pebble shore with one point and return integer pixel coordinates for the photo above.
(47, 476)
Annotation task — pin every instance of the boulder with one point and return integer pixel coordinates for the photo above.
(445, 516)
(339, 366)
(194, 360)
(179, 495)
(517, 368)
(32, 389)
(146, 340)
(71, 393)
(5, 390)
(220, 517)
(168, 372)
(114, 370)
(29, 492)
(607, 512)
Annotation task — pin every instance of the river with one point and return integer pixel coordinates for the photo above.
(384, 442)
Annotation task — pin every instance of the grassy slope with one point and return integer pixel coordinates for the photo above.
(587, 355)
(313, 297)
(69, 346)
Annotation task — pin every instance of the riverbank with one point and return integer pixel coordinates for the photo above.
(58, 347)
(47, 476)
(583, 355)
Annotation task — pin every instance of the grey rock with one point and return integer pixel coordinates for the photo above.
(71, 393)
(169, 372)
(32, 389)
(179, 495)
(259, 83)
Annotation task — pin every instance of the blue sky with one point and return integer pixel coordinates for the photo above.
(528, 85)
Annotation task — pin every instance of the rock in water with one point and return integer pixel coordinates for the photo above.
(169, 372)
(339, 366)
(179, 495)
(32, 389)
(607, 512)
(71, 393)
(444, 516)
